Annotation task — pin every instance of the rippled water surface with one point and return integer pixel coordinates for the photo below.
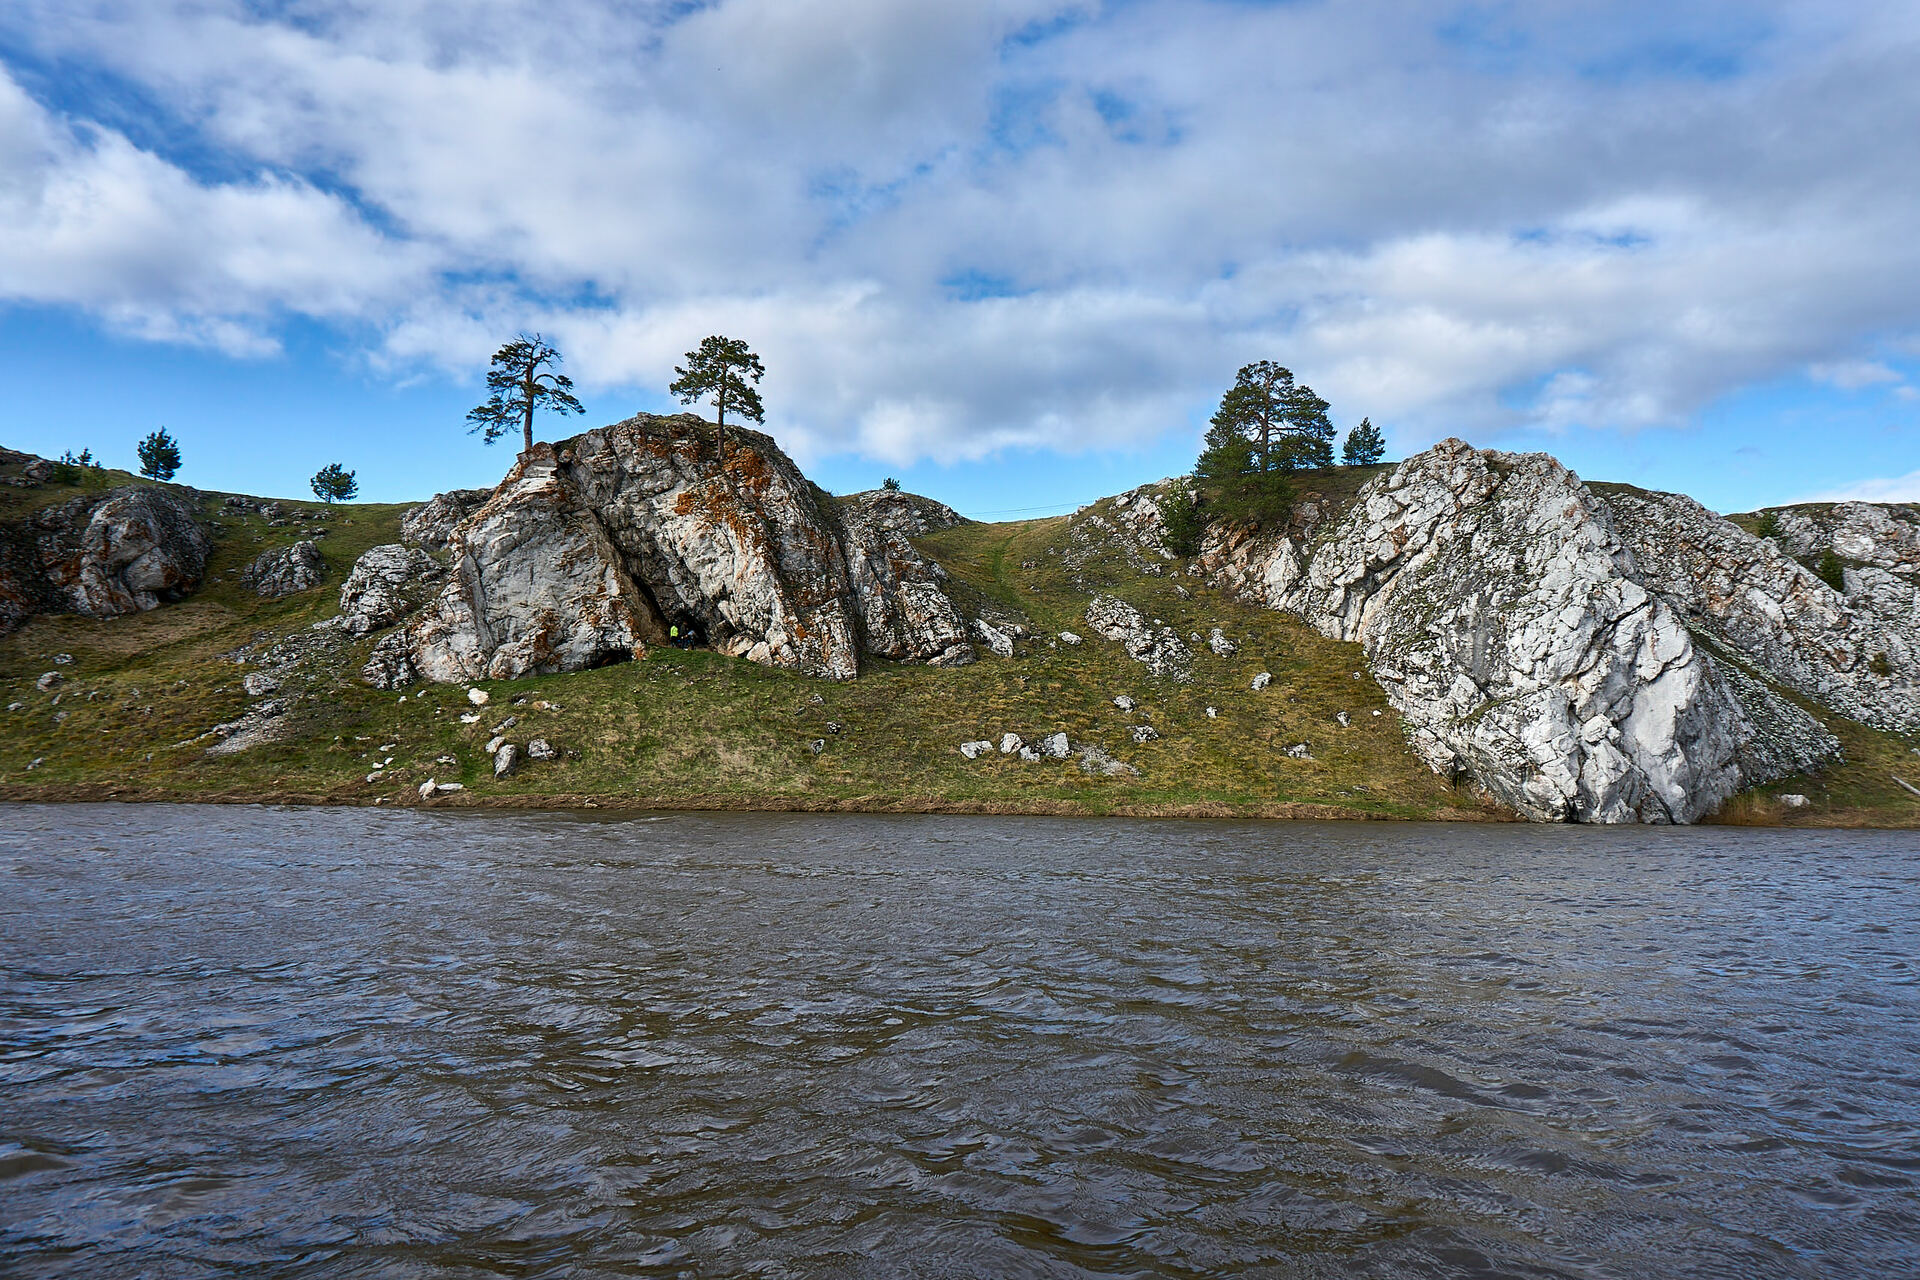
(357, 1043)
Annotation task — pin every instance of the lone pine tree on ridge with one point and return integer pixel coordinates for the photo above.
(519, 387)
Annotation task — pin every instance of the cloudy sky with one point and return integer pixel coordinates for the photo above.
(1008, 250)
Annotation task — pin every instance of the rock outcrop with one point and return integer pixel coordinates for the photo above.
(589, 551)
(387, 583)
(101, 556)
(1152, 643)
(1506, 621)
(1856, 651)
(431, 524)
(285, 571)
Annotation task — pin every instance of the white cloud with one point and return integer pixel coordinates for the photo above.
(1904, 488)
(1590, 215)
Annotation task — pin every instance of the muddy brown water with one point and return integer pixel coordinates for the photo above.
(334, 1042)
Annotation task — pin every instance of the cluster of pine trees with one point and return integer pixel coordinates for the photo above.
(1268, 428)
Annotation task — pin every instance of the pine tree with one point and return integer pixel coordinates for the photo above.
(724, 369)
(1285, 423)
(333, 483)
(1364, 447)
(1181, 517)
(159, 456)
(519, 387)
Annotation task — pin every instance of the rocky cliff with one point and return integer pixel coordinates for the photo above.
(1518, 634)
(591, 550)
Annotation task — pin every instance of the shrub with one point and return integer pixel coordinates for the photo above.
(1181, 517)
(890, 485)
(1831, 570)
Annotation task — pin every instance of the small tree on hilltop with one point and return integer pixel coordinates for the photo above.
(333, 483)
(159, 456)
(1364, 447)
(524, 376)
(724, 369)
(890, 485)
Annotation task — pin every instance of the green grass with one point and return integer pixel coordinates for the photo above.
(695, 729)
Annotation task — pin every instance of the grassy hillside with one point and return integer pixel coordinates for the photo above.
(696, 729)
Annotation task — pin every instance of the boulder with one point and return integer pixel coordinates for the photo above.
(536, 587)
(1144, 733)
(998, 642)
(541, 749)
(1163, 652)
(975, 749)
(505, 758)
(285, 571)
(1095, 761)
(1055, 746)
(904, 613)
(1221, 646)
(1124, 702)
(1261, 681)
(101, 556)
(1504, 620)
(1067, 637)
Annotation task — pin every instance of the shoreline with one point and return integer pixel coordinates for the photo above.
(1276, 811)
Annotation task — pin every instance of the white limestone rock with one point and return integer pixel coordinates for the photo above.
(1503, 619)
(1857, 651)
(1159, 648)
(385, 585)
(285, 571)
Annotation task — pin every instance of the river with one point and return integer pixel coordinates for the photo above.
(335, 1042)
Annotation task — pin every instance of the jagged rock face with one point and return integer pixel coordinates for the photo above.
(1499, 610)
(431, 524)
(1856, 651)
(904, 613)
(1882, 535)
(387, 583)
(742, 549)
(285, 571)
(102, 556)
(591, 551)
(535, 587)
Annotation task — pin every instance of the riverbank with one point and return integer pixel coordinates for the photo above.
(228, 697)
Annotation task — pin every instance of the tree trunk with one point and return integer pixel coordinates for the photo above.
(526, 411)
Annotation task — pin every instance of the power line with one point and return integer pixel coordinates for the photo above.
(1058, 506)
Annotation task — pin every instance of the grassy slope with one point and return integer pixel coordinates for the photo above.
(699, 730)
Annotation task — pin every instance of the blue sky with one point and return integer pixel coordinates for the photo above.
(1009, 251)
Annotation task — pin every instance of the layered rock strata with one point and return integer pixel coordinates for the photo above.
(1504, 617)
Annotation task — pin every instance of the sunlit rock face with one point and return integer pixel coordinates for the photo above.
(1510, 625)
(1855, 650)
(590, 551)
